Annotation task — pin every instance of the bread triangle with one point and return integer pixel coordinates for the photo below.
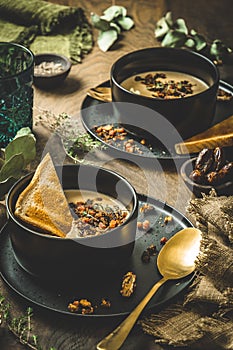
(43, 204)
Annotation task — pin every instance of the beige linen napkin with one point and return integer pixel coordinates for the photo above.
(204, 318)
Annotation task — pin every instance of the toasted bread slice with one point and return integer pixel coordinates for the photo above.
(43, 203)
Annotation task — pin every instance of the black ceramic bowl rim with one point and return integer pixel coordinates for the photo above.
(44, 235)
(147, 51)
(52, 57)
(183, 171)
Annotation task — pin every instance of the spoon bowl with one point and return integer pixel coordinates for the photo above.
(175, 260)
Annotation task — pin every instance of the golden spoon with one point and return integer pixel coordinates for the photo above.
(175, 260)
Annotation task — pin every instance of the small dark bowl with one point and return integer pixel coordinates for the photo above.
(49, 81)
(187, 167)
(189, 115)
(47, 256)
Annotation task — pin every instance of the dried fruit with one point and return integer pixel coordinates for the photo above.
(204, 160)
(211, 167)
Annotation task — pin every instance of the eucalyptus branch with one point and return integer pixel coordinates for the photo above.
(176, 34)
(110, 25)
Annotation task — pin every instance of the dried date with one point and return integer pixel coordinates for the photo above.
(218, 159)
(204, 160)
(197, 176)
(211, 167)
(216, 177)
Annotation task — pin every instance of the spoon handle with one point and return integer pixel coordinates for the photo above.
(116, 338)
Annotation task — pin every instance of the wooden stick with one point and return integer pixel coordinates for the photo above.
(220, 135)
(210, 142)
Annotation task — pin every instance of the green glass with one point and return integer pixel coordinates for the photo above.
(16, 92)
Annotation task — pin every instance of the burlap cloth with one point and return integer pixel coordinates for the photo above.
(46, 28)
(204, 317)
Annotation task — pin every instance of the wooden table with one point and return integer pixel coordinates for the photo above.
(213, 20)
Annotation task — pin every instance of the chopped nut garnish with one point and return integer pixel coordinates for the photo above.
(224, 95)
(163, 240)
(128, 284)
(146, 208)
(72, 307)
(139, 225)
(85, 307)
(105, 303)
(165, 89)
(117, 136)
(93, 218)
(146, 225)
(151, 250)
(145, 256)
(82, 305)
(88, 310)
(168, 219)
(48, 68)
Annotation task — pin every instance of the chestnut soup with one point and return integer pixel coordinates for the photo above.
(164, 84)
(94, 213)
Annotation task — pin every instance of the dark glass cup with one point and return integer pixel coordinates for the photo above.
(16, 92)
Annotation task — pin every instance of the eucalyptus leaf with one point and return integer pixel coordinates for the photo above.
(218, 50)
(12, 168)
(99, 23)
(176, 34)
(193, 32)
(190, 43)
(116, 27)
(23, 131)
(181, 26)
(169, 19)
(162, 28)
(126, 23)
(114, 12)
(174, 38)
(26, 145)
(110, 25)
(106, 39)
(200, 42)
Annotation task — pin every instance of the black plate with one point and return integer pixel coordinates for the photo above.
(56, 297)
(92, 117)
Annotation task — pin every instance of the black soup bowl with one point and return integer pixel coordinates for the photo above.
(189, 115)
(52, 257)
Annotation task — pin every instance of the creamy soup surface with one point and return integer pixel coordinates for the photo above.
(141, 85)
(89, 206)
